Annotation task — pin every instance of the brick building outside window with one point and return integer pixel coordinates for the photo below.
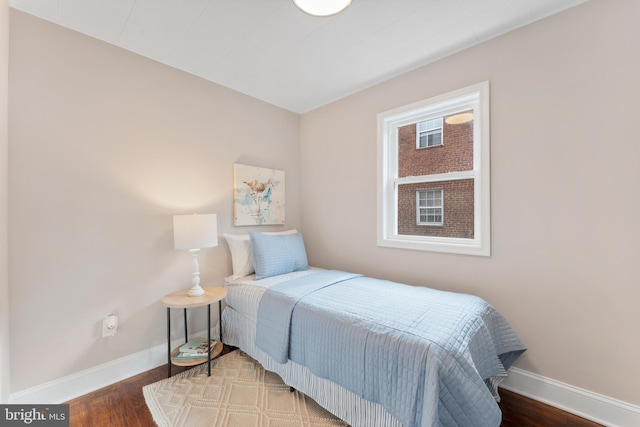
(442, 208)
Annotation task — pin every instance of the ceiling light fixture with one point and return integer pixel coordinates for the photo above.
(322, 7)
(458, 119)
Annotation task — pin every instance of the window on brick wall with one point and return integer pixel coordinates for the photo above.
(429, 133)
(437, 198)
(429, 207)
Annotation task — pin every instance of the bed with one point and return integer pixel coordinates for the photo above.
(372, 352)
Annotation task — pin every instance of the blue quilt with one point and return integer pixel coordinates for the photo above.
(429, 357)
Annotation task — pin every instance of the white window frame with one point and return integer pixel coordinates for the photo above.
(419, 208)
(429, 131)
(476, 98)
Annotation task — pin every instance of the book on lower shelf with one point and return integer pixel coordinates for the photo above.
(195, 348)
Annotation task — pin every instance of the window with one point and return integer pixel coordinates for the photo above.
(430, 208)
(436, 199)
(429, 133)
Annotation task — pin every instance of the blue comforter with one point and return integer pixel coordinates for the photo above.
(429, 357)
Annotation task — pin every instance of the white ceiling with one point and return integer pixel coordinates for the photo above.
(270, 50)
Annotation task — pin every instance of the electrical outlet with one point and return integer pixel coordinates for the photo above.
(110, 326)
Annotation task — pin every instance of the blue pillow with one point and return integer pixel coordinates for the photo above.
(278, 254)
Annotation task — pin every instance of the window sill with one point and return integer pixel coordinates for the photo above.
(437, 244)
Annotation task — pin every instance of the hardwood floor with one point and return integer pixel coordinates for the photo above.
(122, 405)
(519, 411)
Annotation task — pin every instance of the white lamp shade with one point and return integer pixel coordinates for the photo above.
(195, 231)
(322, 7)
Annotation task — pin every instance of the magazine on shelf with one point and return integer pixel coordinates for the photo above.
(182, 356)
(197, 347)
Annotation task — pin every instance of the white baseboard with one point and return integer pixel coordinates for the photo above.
(592, 406)
(83, 382)
(586, 404)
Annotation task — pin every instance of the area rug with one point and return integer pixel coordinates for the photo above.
(239, 393)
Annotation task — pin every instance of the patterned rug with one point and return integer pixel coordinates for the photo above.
(239, 393)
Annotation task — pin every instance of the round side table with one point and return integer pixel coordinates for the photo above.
(180, 299)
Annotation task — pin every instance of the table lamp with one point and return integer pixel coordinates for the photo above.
(195, 232)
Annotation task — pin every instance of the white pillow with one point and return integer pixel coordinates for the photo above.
(241, 253)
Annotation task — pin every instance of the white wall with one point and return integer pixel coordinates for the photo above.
(105, 146)
(4, 155)
(565, 206)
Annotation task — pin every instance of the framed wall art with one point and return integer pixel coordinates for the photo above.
(258, 195)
